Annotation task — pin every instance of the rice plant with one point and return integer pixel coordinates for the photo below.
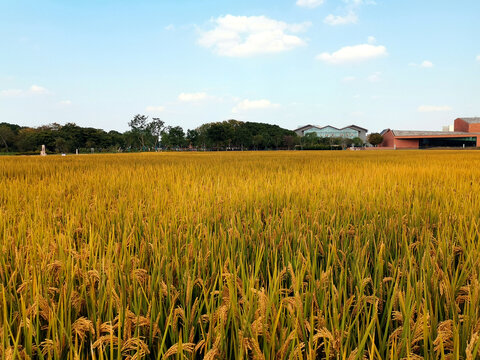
(256, 255)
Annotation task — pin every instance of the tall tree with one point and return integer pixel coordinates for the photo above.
(177, 136)
(192, 137)
(138, 126)
(173, 137)
(155, 129)
(6, 136)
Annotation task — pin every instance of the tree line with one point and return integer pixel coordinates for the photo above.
(153, 134)
(145, 134)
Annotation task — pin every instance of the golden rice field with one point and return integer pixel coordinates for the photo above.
(256, 255)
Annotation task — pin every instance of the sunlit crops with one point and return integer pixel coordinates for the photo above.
(278, 255)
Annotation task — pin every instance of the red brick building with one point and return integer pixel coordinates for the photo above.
(466, 134)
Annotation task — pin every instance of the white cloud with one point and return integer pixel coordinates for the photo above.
(375, 77)
(11, 93)
(310, 3)
(351, 6)
(33, 90)
(244, 36)
(478, 58)
(426, 64)
(359, 2)
(350, 18)
(431, 108)
(170, 27)
(372, 39)
(65, 102)
(39, 90)
(154, 109)
(254, 104)
(349, 79)
(193, 97)
(356, 53)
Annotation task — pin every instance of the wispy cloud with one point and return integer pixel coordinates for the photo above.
(193, 97)
(334, 20)
(310, 3)
(433, 108)
(348, 79)
(254, 104)
(11, 93)
(39, 90)
(246, 36)
(65, 102)
(423, 64)
(478, 58)
(33, 90)
(351, 54)
(351, 7)
(360, 2)
(375, 77)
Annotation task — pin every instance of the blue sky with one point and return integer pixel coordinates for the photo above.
(404, 64)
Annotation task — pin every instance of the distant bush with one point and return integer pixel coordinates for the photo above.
(28, 153)
(320, 147)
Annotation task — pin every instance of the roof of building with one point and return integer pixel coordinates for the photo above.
(472, 120)
(428, 133)
(304, 127)
(333, 127)
(356, 127)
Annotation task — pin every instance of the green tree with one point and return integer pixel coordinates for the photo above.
(258, 141)
(220, 134)
(193, 137)
(357, 141)
(347, 142)
(61, 145)
(117, 140)
(138, 126)
(290, 141)
(173, 137)
(155, 129)
(310, 139)
(7, 137)
(336, 141)
(375, 139)
(177, 136)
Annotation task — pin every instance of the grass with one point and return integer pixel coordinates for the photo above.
(271, 255)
